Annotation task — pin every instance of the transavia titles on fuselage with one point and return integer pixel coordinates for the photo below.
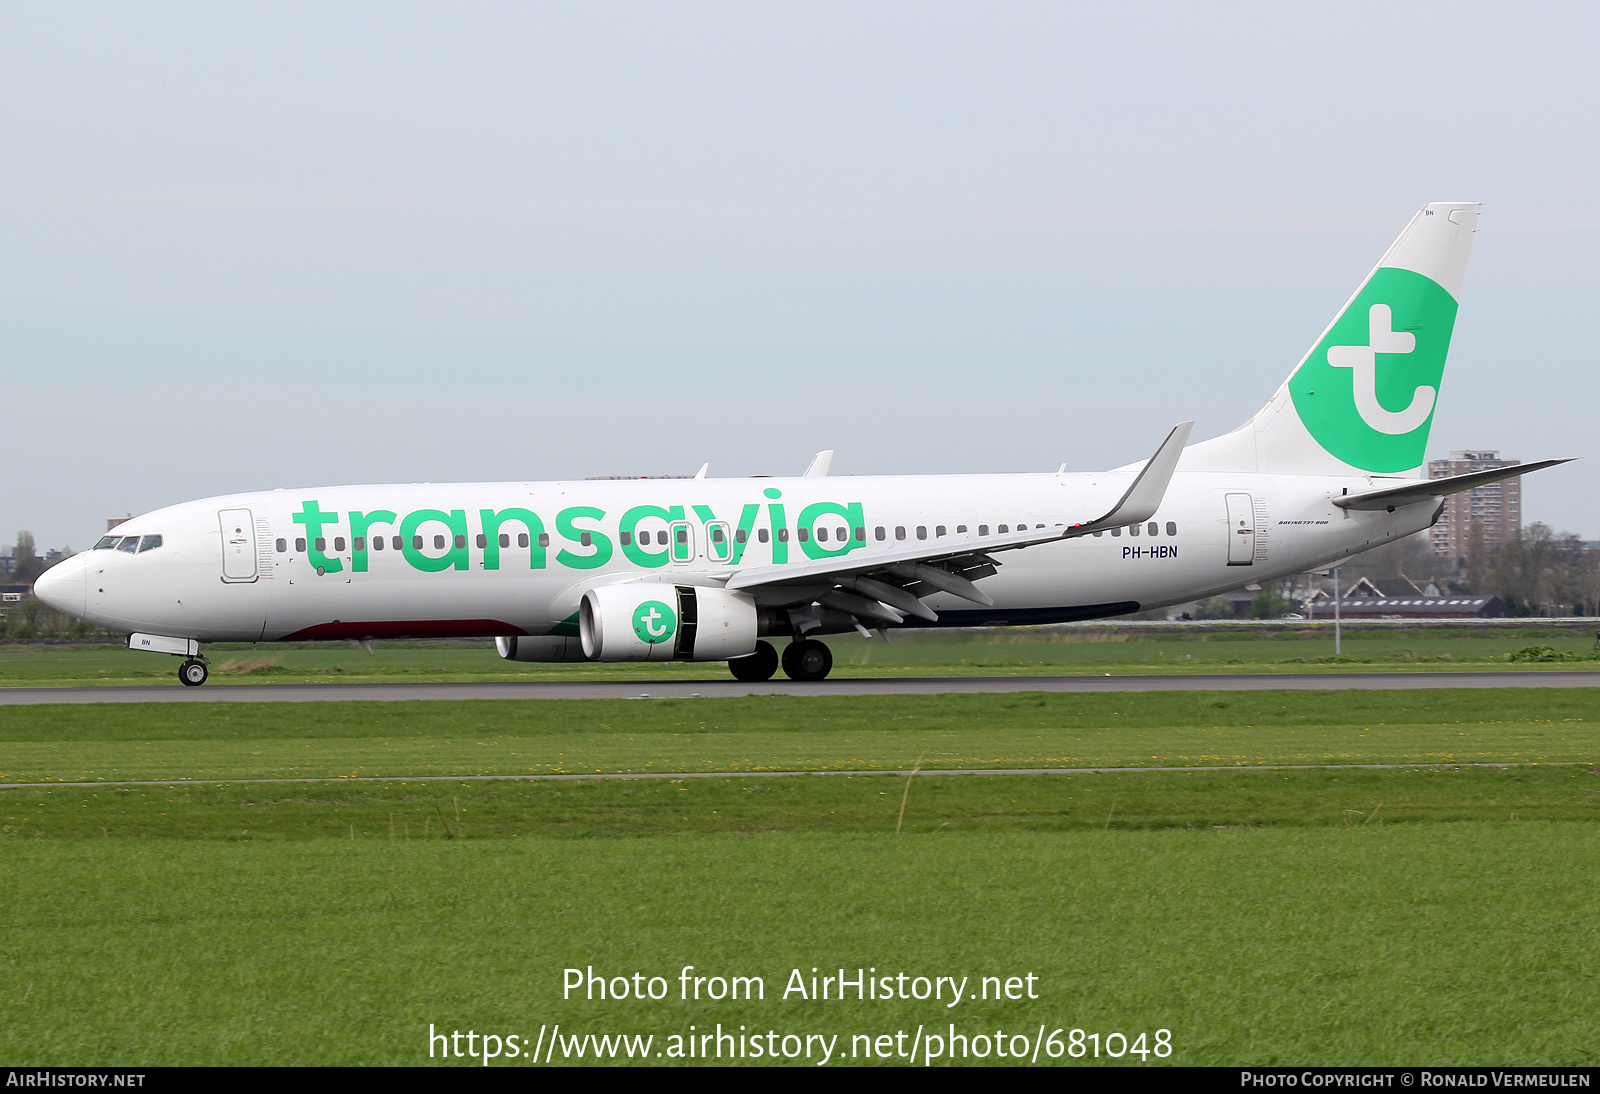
(705, 569)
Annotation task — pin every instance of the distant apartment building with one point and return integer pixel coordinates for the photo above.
(1496, 508)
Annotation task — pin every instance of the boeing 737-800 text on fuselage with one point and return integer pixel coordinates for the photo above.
(704, 569)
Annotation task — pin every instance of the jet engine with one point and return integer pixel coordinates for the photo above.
(544, 648)
(653, 621)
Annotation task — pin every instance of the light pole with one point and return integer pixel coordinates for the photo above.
(1338, 638)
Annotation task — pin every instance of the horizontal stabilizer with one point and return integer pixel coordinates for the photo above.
(1411, 493)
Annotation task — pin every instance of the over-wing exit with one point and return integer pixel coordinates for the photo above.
(709, 569)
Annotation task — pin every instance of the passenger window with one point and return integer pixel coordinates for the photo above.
(438, 543)
(939, 531)
(717, 536)
(761, 534)
(983, 529)
(396, 542)
(861, 535)
(360, 543)
(626, 538)
(1116, 532)
(482, 540)
(522, 540)
(1004, 528)
(805, 534)
(879, 533)
(683, 535)
(300, 545)
(822, 535)
(783, 535)
(544, 540)
(1172, 527)
(322, 543)
(1097, 535)
(1133, 529)
(585, 539)
(922, 531)
(416, 543)
(338, 544)
(461, 541)
(505, 539)
(283, 546)
(961, 529)
(899, 531)
(841, 534)
(740, 536)
(130, 545)
(377, 543)
(1153, 528)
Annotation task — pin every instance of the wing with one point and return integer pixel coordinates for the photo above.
(888, 585)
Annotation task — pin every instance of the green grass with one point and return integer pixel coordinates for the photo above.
(406, 811)
(114, 742)
(1467, 943)
(1330, 916)
(998, 652)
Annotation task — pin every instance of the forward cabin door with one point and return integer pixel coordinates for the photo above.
(238, 545)
(1241, 530)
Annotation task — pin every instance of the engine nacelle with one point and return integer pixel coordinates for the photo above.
(547, 648)
(653, 621)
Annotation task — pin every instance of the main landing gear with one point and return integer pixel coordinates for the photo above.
(806, 659)
(757, 667)
(193, 672)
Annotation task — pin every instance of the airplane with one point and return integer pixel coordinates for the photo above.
(707, 569)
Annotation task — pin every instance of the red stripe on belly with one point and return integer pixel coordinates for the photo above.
(407, 628)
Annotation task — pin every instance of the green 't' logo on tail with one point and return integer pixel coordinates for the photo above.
(1368, 391)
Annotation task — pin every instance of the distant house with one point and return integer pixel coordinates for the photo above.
(1417, 607)
(14, 594)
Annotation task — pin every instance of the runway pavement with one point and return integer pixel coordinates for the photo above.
(911, 685)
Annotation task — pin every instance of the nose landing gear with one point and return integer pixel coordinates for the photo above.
(807, 660)
(193, 672)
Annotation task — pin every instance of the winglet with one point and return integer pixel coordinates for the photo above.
(1149, 488)
(819, 464)
(700, 474)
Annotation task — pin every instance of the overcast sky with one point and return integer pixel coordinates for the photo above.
(248, 246)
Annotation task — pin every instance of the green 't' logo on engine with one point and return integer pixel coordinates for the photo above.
(1368, 391)
(654, 622)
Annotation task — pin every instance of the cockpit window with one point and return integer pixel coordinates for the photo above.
(129, 544)
(149, 543)
(106, 543)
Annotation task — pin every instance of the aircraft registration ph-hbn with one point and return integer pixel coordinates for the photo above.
(706, 569)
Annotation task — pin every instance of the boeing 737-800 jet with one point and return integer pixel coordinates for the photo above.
(707, 569)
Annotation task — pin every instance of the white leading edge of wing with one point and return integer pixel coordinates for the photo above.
(1138, 503)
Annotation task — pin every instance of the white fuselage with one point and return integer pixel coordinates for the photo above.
(247, 567)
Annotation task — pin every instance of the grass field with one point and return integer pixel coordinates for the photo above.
(1002, 652)
(133, 741)
(1347, 915)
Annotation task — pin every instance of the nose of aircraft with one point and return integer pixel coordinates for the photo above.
(65, 586)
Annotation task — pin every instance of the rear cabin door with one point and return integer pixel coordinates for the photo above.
(1241, 530)
(238, 545)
